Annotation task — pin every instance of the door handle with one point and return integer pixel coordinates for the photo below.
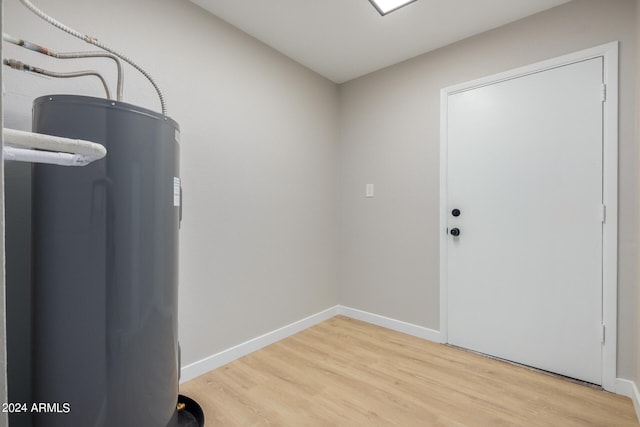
(455, 232)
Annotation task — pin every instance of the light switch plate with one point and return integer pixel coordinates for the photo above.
(369, 191)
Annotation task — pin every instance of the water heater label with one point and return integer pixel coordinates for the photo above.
(176, 191)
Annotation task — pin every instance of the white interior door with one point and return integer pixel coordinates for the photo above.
(524, 168)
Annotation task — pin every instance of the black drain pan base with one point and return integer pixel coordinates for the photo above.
(191, 415)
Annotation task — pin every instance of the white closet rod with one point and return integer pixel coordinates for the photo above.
(27, 147)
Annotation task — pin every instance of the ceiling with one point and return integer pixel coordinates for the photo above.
(345, 39)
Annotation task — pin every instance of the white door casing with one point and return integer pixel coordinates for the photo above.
(532, 248)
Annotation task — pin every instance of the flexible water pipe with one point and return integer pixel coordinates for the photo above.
(95, 42)
(17, 65)
(71, 55)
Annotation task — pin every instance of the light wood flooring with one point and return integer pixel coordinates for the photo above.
(344, 372)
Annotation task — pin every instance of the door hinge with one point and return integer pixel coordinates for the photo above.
(603, 213)
(603, 334)
(604, 92)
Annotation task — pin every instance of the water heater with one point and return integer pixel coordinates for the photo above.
(105, 265)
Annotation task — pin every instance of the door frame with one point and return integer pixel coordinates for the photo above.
(609, 53)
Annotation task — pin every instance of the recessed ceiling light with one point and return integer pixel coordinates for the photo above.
(388, 6)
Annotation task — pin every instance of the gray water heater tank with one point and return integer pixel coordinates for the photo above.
(105, 256)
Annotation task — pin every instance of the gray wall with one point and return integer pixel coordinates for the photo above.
(265, 144)
(637, 115)
(390, 137)
(259, 135)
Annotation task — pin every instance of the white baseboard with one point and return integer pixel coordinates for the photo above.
(393, 324)
(628, 388)
(623, 386)
(210, 363)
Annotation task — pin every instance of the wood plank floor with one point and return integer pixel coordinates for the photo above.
(344, 372)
